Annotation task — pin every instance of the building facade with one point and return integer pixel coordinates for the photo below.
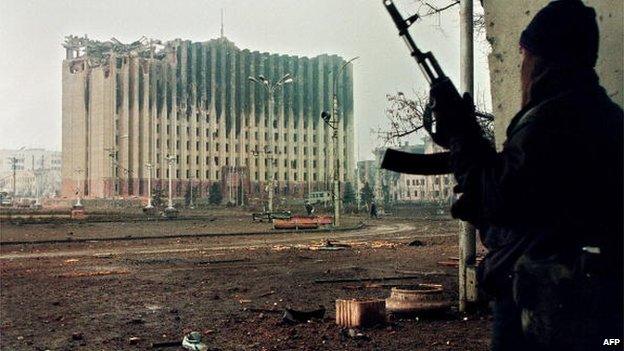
(411, 188)
(125, 106)
(34, 171)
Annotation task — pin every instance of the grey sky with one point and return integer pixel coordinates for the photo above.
(31, 33)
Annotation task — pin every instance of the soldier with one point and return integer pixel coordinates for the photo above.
(549, 205)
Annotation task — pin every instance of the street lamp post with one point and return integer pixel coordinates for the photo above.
(333, 121)
(13, 161)
(170, 161)
(149, 186)
(78, 187)
(270, 89)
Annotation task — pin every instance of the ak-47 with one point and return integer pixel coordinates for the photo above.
(403, 162)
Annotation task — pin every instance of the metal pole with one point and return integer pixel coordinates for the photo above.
(149, 185)
(467, 242)
(78, 187)
(269, 152)
(191, 205)
(14, 166)
(336, 160)
(357, 188)
(336, 137)
(170, 160)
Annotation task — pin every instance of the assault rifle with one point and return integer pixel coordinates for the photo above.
(404, 162)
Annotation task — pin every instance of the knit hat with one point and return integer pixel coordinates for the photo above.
(564, 34)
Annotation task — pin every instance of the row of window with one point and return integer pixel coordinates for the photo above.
(436, 181)
(276, 135)
(246, 121)
(436, 193)
(287, 163)
(255, 177)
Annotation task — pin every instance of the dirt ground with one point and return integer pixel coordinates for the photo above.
(126, 295)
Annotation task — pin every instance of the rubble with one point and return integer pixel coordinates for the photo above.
(360, 312)
(292, 316)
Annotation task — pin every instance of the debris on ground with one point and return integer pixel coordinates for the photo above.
(156, 345)
(423, 273)
(419, 298)
(92, 274)
(416, 243)
(292, 316)
(329, 245)
(261, 310)
(448, 263)
(134, 340)
(364, 279)
(380, 244)
(77, 336)
(353, 334)
(360, 312)
(193, 342)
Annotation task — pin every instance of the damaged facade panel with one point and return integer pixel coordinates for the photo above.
(126, 105)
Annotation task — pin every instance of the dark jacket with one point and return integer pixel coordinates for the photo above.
(555, 187)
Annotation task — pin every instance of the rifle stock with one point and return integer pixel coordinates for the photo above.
(423, 164)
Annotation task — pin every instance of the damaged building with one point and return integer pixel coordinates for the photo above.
(128, 105)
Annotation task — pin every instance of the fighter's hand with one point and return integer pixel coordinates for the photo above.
(454, 115)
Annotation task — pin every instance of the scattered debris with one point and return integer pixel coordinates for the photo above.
(419, 298)
(360, 313)
(379, 244)
(137, 321)
(267, 294)
(261, 310)
(193, 341)
(180, 261)
(71, 260)
(77, 336)
(92, 274)
(424, 273)
(134, 340)
(416, 243)
(329, 245)
(371, 279)
(353, 334)
(295, 317)
(448, 263)
(163, 344)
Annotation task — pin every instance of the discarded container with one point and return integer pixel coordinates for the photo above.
(419, 298)
(356, 313)
(193, 342)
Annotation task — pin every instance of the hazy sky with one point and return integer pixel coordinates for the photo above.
(31, 33)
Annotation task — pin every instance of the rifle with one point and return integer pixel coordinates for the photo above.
(403, 162)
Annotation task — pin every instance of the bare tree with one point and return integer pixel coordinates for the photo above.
(405, 117)
(428, 8)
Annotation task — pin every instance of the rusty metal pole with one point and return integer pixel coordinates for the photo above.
(467, 236)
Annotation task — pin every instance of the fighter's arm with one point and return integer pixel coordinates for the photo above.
(510, 186)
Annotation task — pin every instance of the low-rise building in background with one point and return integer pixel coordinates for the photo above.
(30, 172)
